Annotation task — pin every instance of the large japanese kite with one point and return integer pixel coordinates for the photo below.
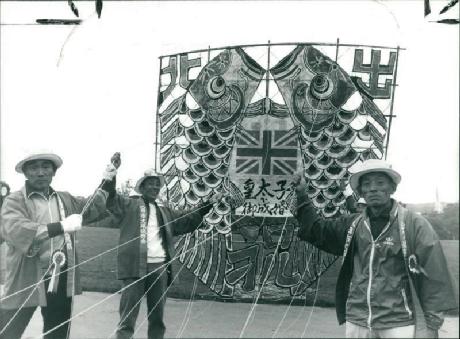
(229, 122)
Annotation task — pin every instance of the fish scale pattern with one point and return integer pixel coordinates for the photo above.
(338, 125)
(317, 92)
(204, 121)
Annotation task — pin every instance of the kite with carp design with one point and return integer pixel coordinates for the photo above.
(242, 121)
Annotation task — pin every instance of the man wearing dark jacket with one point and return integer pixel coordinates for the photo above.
(146, 250)
(386, 250)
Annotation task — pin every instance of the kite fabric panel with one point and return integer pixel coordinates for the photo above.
(242, 121)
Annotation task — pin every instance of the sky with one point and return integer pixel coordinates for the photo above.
(88, 91)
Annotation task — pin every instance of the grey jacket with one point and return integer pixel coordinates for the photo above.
(348, 235)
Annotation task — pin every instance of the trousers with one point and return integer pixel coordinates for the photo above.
(153, 286)
(58, 309)
(356, 331)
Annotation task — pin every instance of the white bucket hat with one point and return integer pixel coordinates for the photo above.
(149, 174)
(361, 201)
(372, 166)
(39, 155)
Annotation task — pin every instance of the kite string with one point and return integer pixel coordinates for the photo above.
(317, 285)
(25, 301)
(312, 308)
(315, 111)
(292, 299)
(178, 255)
(189, 308)
(42, 279)
(96, 256)
(294, 294)
(160, 299)
(111, 295)
(137, 303)
(254, 304)
(305, 299)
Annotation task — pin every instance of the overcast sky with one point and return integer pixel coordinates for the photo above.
(90, 90)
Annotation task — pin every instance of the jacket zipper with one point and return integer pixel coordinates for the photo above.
(406, 304)
(51, 220)
(371, 259)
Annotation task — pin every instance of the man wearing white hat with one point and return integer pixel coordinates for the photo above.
(38, 225)
(146, 250)
(387, 252)
(361, 205)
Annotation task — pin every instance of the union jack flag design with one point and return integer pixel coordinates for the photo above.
(267, 152)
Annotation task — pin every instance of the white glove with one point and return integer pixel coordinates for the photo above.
(109, 173)
(348, 191)
(72, 223)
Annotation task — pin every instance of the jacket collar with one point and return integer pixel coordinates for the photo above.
(29, 192)
(386, 213)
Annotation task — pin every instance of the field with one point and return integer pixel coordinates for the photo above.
(99, 274)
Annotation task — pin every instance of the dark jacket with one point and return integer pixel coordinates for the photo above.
(339, 236)
(132, 257)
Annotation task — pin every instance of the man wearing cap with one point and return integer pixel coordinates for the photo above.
(146, 251)
(387, 252)
(38, 225)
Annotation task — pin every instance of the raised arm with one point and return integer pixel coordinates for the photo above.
(327, 234)
(96, 204)
(189, 220)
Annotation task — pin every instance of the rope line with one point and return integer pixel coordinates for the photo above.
(138, 302)
(276, 250)
(182, 267)
(254, 304)
(292, 299)
(27, 299)
(141, 298)
(160, 299)
(189, 309)
(312, 308)
(113, 294)
(42, 279)
(97, 256)
(188, 312)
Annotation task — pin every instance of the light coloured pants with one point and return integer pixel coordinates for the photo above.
(356, 331)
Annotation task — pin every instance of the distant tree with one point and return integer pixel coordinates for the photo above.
(126, 188)
(446, 224)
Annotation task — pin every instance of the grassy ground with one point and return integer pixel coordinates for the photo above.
(100, 274)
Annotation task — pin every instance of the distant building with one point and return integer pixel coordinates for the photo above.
(437, 205)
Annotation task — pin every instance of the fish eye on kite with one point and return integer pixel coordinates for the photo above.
(216, 87)
(321, 87)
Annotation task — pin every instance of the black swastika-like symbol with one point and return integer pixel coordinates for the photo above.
(375, 69)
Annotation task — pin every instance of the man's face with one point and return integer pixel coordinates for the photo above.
(376, 189)
(39, 174)
(150, 187)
